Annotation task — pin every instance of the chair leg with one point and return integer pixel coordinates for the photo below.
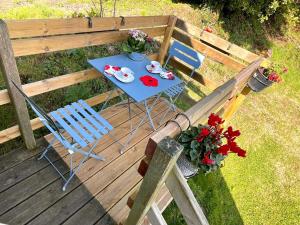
(87, 155)
(171, 107)
(47, 149)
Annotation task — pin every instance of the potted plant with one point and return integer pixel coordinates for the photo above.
(265, 77)
(137, 43)
(206, 146)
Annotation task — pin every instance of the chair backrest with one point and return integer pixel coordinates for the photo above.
(186, 54)
(46, 120)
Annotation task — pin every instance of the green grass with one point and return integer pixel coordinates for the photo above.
(264, 187)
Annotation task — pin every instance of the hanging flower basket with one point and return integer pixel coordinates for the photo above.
(265, 77)
(206, 146)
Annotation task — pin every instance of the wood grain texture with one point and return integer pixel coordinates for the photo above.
(197, 76)
(43, 86)
(40, 45)
(13, 132)
(164, 159)
(167, 38)
(217, 42)
(47, 85)
(154, 215)
(10, 73)
(185, 199)
(208, 51)
(48, 27)
(234, 105)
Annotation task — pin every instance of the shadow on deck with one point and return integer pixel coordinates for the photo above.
(31, 190)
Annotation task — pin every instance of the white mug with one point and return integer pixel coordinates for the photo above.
(155, 65)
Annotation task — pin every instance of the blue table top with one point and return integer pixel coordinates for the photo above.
(136, 89)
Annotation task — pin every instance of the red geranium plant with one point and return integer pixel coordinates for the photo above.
(206, 146)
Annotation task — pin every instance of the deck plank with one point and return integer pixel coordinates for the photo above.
(30, 166)
(45, 201)
(96, 182)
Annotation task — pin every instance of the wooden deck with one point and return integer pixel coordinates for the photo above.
(31, 190)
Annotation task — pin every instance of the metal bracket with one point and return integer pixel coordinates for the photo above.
(122, 20)
(90, 22)
(188, 119)
(173, 121)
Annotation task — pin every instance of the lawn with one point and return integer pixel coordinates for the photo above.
(263, 188)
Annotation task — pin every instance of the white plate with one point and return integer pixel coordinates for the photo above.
(110, 70)
(126, 75)
(150, 69)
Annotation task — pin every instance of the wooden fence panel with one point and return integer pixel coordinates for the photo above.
(52, 84)
(39, 45)
(13, 132)
(217, 41)
(208, 51)
(10, 73)
(47, 27)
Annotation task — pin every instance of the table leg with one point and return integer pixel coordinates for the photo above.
(129, 112)
(107, 98)
(133, 131)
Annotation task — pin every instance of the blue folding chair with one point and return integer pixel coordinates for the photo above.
(80, 122)
(190, 57)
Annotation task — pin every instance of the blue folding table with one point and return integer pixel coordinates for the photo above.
(135, 90)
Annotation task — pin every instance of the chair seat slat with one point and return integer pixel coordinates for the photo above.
(68, 129)
(76, 125)
(95, 114)
(89, 118)
(83, 121)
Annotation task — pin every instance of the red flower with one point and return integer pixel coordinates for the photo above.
(236, 149)
(149, 81)
(231, 134)
(149, 39)
(274, 77)
(242, 153)
(214, 120)
(208, 29)
(116, 68)
(223, 150)
(206, 160)
(285, 70)
(204, 133)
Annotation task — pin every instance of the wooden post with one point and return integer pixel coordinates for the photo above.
(185, 199)
(10, 72)
(163, 161)
(167, 37)
(235, 104)
(154, 215)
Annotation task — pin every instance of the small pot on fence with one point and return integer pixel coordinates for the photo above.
(187, 168)
(258, 81)
(135, 56)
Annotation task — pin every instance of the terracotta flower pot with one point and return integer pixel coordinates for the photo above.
(258, 81)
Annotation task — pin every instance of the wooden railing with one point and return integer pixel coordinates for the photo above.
(28, 37)
(162, 179)
(161, 175)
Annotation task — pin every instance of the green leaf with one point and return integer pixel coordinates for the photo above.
(185, 138)
(195, 144)
(193, 155)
